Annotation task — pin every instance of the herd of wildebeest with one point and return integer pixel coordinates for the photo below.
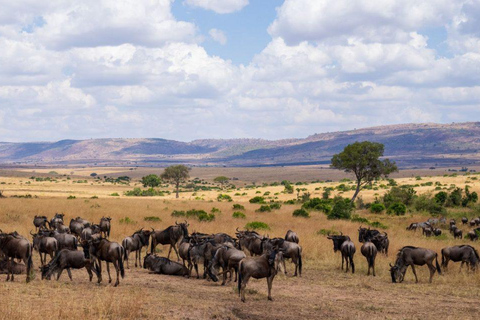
(221, 254)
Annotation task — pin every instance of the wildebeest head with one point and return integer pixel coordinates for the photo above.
(148, 260)
(398, 271)
(144, 236)
(184, 226)
(338, 241)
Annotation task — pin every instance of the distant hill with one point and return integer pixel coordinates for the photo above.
(409, 144)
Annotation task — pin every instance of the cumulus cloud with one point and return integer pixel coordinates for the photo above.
(218, 36)
(219, 6)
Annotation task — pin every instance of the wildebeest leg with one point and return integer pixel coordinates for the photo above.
(169, 250)
(137, 254)
(285, 267)
(108, 271)
(176, 251)
(196, 269)
(88, 266)
(115, 264)
(99, 270)
(243, 286)
(41, 258)
(432, 270)
(342, 260)
(127, 253)
(415, 273)
(269, 283)
(59, 273)
(69, 274)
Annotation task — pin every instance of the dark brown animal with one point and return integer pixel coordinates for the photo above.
(170, 236)
(369, 251)
(40, 222)
(465, 254)
(161, 265)
(346, 247)
(110, 252)
(44, 244)
(6, 266)
(292, 236)
(105, 226)
(68, 259)
(13, 246)
(135, 243)
(411, 256)
(56, 220)
(228, 259)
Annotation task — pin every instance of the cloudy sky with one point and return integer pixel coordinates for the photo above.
(190, 69)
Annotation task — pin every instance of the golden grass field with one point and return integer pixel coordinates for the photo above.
(324, 291)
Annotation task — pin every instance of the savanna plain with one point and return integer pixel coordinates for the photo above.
(323, 290)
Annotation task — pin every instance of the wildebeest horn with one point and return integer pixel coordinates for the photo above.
(390, 265)
(176, 222)
(237, 229)
(186, 222)
(153, 230)
(341, 233)
(31, 233)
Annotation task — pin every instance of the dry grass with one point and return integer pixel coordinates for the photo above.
(323, 291)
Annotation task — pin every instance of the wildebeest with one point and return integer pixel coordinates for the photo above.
(264, 266)
(251, 241)
(413, 226)
(427, 231)
(110, 252)
(84, 222)
(292, 236)
(61, 228)
(40, 222)
(184, 251)
(56, 220)
(411, 256)
(88, 232)
(14, 246)
(105, 226)
(202, 252)
(136, 242)
(68, 259)
(457, 233)
(382, 242)
(65, 240)
(170, 236)
(369, 251)
(472, 235)
(44, 245)
(6, 266)
(365, 234)
(290, 250)
(76, 227)
(473, 223)
(437, 232)
(161, 265)
(228, 259)
(464, 253)
(346, 247)
(464, 220)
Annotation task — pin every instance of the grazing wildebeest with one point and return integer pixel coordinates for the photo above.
(427, 231)
(413, 226)
(105, 226)
(170, 236)
(477, 221)
(110, 252)
(411, 256)
(291, 250)
(202, 252)
(473, 223)
(76, 227)
(382, 242)
(228, 259)
(136, 242)
(161, 265)
(464, 220)
(437, 232)
(14, 246)
(292, 236)
(44, 244)
(88, 232)
(40, 222)
(457, 234)
(6, 266)
(369, 251)
(464, 253)
(472, 235)
(56, 220)
(68, 259)
(433, 221)
(221, 238)
(452, 222)
(346, 247)
(264, 266)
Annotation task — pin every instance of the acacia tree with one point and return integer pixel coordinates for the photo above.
(222, 180)
(152, 181)
(363, 160)
(176, 175)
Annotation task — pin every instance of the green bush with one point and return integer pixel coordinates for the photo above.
(342, 209)
(397, 208)
(257, 225)
(239, 215)
(71, 197)
(224, 197)
(426, 204)
(397, 194)
(127, 220)
(152, 219)
(237, 206)
(327, 232)
(200, 215)
(257, 199)
(318, 204)
(301, 213)
(275, 206)
(264, 208)
(215, 210)
(441, 197)
(377, 208)
(291, 201)
(137, 192)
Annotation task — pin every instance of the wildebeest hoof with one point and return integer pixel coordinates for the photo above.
(270, 299)
(109, 280)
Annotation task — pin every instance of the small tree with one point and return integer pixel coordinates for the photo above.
(222, 180)
(176, 175)
(152, 181)
(363, 159)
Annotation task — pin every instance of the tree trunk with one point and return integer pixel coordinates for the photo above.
(356, 192)
(178, 186)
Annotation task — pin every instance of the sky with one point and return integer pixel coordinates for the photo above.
(196, 69)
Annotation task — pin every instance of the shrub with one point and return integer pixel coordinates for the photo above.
(152, 219)
(377, 207)
(397, 208)
(127, 220)
(426, 204)
(291, 201)
(264, 208)
(152, 180)
(357, 218)
(342, 209)
(318, 204)
(137, 192)
(94, 197)
(115, 194)
(275, 206)
(178, 213)
(224, 197)
(441, 197)
(455, 198)
(257, 225)
(71, 197)
(237, 206)
(257, 199)
(215, 210)
(301, 213)
(327, 232)
(200, 215)
(239, 215)
(397, 194)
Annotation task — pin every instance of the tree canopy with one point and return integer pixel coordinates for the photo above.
(221, 179)
(152, 181)
(363, 160)
(175, 174)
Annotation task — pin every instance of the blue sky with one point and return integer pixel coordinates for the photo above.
(195, 69)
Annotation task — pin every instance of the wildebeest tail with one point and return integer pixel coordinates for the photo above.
(443, 259)
(240, 267)
(75, 243)
(437, 265)
(124, 245)
(121, 251)
(300, 261)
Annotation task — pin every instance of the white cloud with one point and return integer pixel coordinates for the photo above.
(218, 36)
(219, 6)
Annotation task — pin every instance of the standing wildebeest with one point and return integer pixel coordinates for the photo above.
(56, 220)
(265, 266)
(135, 243)
(15, 246)
(437, 231)
(464, 220)
(411, 256)
(105, 226)
(76, 227)
(110, 252)
(170, 236)
(292, 236)
(346, 247)
(228, 259)
(184, 251)
(427, 231)
(291, 250)
(44, 244)
(472, 235)
(457, 233)
(464, 253)
(161, 265)
(202, 252)
(365, 234)
(369, 251)
(84, 222)
(68, 259)
(413, 226)
(88, 232)
(40, 222)
(382, 242)
(61, 228)
(65, 240)
(473, 223)
(15, 268)
(250, 241)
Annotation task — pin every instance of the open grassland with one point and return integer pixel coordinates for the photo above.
(324, 291)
